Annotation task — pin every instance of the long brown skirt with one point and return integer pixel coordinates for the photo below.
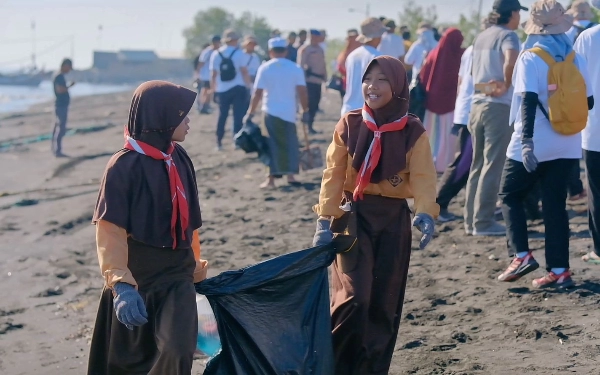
(368, 286)
(166, 344)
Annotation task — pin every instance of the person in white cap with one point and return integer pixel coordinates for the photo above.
(583, 15)
(280, 84)
(371, 31)
(588, 46)
(549, 109)
(231, 83)
(391, 43)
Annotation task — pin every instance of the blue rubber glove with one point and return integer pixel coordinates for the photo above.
(530, 162)
(129, 306)
(426, 225)
(323, 234)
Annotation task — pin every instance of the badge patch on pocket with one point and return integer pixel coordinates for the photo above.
(395, 180)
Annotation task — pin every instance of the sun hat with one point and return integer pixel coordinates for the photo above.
(277, 43)
(249, 39)
(547, 17)
(390, 24)
(230, 35)
(581, 10)
(371, 28)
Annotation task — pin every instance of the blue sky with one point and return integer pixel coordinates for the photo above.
(66, 27)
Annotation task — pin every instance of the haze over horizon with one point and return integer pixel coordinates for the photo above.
(70, 28)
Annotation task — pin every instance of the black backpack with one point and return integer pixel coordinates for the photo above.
(582, 29)
(227, 68)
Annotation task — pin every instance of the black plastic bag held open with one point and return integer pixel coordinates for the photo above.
(273, 317)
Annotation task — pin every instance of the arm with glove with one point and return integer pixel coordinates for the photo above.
(332, 188)
(113, 257)
(423, 181)
(529, 104)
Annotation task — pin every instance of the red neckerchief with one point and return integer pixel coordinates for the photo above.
(178, 198)
(374, 153)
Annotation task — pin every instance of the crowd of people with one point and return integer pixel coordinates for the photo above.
(505, 119)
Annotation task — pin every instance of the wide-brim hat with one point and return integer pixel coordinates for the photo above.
(581, 10)
(230, 35)
(547, 17)
(371, 28)
(249, 39)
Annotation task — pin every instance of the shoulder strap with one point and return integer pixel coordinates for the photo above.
(232, 52)
(590, 25)
(570, 57)
(250, 59)
(544, 55)
(220, 54)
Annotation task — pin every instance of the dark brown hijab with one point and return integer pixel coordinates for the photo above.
(394, 145)
(134, 192)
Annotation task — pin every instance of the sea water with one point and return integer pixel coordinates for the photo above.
(20, 98)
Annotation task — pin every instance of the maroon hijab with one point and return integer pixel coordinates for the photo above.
(394, 145)
(439, 74)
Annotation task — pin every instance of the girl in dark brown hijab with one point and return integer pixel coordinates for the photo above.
(379, 157)
(147, 219)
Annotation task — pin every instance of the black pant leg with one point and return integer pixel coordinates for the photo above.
(574, 184)
(553, 177)
(592, 166)
(314, 97)
(225, 103)
(456, 175)
(514, 188)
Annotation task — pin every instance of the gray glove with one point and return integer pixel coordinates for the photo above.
(323, 234)
(426, 225)
(530, 162)
(129, 306)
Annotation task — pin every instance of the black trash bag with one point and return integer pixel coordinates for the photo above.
(273, 317)
(417, 100)
(250, 139)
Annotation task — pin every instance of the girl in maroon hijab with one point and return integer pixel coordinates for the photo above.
(147, 219)
(379, 157)
(439, 76)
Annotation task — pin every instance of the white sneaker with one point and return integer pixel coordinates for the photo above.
(495, 230)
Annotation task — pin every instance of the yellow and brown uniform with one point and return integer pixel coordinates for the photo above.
(369, 280)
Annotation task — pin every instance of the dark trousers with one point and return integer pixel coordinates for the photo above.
(60, 128)
(456, 175)
(368, 284)
(592, 167)
(236, 97)
(314, 98)
(516, 185)
(574, 184)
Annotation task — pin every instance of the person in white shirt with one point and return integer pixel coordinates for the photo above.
(371, 31)
(583, 15)
(204, 75)
(537, 153)
(253, 61)
(280, 84)
(391, 43)
(588, 46)
(231, 83)
(419, 50)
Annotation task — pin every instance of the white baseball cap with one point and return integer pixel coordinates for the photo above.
(277, 43)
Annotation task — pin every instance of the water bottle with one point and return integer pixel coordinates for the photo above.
(208, 341)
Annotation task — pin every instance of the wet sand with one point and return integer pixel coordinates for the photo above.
(457, 318)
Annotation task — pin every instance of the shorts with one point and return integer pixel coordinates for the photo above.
(204, 85)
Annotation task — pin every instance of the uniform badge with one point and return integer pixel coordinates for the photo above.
(395, 180)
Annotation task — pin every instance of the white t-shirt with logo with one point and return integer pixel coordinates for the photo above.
(205, 59)
(279, 78)
(392, 45)
(588, 46)
(464, 98)
(356, 64)
(239, 60)
(531, 75)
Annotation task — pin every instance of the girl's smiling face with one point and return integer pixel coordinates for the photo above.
(181, 131)
(377, 89)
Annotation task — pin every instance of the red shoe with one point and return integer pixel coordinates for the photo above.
(518, 268)
(552, 280)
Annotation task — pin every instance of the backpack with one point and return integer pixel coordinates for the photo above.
(567, 106)
(227, 69)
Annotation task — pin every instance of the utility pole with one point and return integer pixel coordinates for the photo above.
(33, 45)
(479, 10)
(368, 13)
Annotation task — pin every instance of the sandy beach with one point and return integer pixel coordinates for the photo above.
(457, 318)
